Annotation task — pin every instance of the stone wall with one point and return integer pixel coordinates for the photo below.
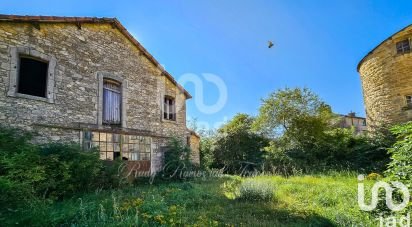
(80, 55)
(386, 79)
(195, 148)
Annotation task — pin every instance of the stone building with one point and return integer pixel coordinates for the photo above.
(194, 142)
(386, 75)
(89, 81)
(350, 120)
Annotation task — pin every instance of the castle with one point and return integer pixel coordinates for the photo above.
(386, 75)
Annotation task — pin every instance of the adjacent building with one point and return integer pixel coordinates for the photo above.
(386, 75)
(87, 80)
(350, 120)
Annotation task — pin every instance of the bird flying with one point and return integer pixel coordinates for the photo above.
(270, 44)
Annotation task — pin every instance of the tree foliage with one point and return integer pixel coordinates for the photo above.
(294, 131)
(237, 147)
(304, 137)
(176, 159)
(30, 172)
(400, 167)
(297, 115)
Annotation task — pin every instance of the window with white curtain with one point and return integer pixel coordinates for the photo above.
(112, 99)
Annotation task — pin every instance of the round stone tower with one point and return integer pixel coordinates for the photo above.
(386, 75)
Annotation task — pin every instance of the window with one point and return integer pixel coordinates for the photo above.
(32, 77)
(403, 47)
(169, 109)
(32, 74)
(112, 100)
(408, 100)
(116, 146)
(363, 122)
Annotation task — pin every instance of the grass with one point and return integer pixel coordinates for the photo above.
(296, 201)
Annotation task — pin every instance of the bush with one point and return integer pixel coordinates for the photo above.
(338, 150)
(20, 171)
(176, 160)
(30, 172)
(237, 148)
(256, 190)
(230, 188)
(400, 167)
(69, 169)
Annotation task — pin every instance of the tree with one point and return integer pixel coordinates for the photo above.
(237, 147)
(298, 115)
(206, 142)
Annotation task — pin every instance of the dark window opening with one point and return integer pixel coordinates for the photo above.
(169, 110)
(111, 102)
(408, 100)
(32, 77)
(403, 47)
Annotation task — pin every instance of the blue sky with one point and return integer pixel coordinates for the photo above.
(318, 44)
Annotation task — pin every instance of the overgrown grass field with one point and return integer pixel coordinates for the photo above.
(322, 200)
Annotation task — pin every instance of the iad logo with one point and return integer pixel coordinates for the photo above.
(388, 194)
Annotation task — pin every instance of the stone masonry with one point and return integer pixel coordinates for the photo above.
(80, 52)
(386, 76)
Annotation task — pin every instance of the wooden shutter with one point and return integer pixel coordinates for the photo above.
(112, 99)
(169, 109)
(165, 108)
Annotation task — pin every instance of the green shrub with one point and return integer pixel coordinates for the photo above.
(30, 172)
(231, 187)
(256, 190)
(20, 171)
(69, 169)
(400, 167)
(176, 160)
(338, 150)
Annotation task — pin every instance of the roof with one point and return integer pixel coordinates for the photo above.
(349, 116)
(104, 20)
(384, 41)
(193, 133)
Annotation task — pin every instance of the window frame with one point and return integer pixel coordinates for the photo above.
(403, 46)
(166, 112)
(132, 147)
(101, 76)
(408, 100)
(15, 54)
(119, 92)
(21, 56)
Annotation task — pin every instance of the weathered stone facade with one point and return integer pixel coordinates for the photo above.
(85, 50)
(350, 120)
(386, 75)
(194, 142)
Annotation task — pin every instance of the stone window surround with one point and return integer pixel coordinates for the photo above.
(173, 99)
(15, 53)
(163, 96)
(408, 99)
(124, 85)
(398, 40)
